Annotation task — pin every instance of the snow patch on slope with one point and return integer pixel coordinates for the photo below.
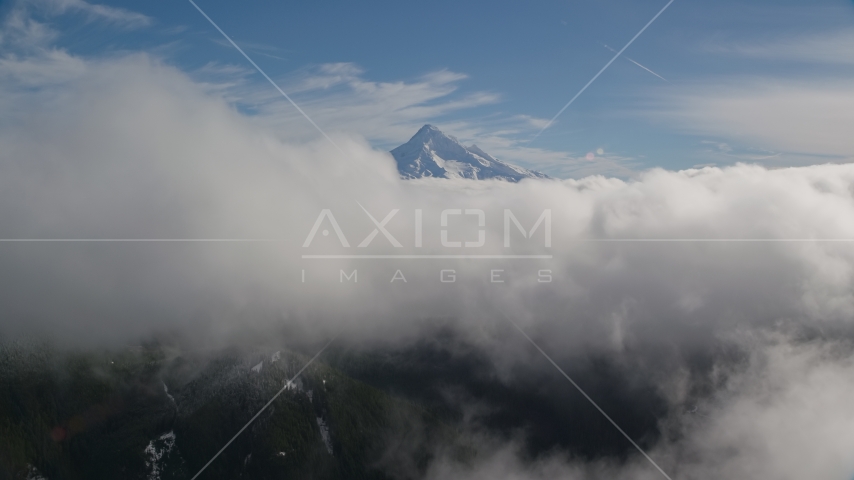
(155, 453)
(324, 434)
(34, 474)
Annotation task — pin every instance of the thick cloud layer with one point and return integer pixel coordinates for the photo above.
(130, 148)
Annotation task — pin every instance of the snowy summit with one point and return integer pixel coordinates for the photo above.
(431, 153)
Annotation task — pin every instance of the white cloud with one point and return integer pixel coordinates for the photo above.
(117, 16)
(784, 416)
(339, 98)
(534, 122)
(140, 150)
(799, 118)
(832, 48)
(26, 44)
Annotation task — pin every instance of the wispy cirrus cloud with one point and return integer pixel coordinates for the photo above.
(802, 119)
(255, 48)
(833, 48)
(97, 12)
(24, 26)
(341, 97)
(798, 113)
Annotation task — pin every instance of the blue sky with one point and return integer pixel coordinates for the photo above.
(752, 81)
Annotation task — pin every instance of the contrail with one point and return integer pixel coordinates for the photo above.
(265, 75)
(600, 71)
(638, 64)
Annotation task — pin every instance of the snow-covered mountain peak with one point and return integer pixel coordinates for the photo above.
(429, 132)
(432, 153)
